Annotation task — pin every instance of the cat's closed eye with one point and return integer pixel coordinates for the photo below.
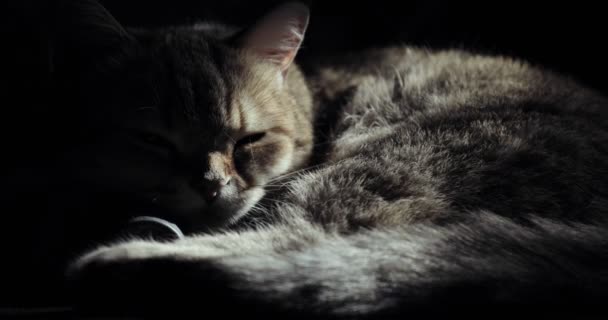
(153, 139)
(249, 139)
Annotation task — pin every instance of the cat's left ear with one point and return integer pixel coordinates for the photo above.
(277, 36)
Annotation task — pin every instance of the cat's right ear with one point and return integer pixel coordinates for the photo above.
(85, 31)
(276, 38)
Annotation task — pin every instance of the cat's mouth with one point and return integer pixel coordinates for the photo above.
(193, 214)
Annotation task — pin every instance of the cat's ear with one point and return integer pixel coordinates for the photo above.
(277, 36)
(85, 30)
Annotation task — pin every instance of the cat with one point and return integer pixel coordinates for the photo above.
(374, 185)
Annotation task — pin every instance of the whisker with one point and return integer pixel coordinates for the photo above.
(257, 208)
(291, 173)
(274, 201)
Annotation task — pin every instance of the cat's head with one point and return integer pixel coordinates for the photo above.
(187, 121)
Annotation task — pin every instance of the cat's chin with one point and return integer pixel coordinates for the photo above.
(224, 213)
(253, 196)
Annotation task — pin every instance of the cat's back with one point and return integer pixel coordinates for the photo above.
(451, 131)
(450, 78)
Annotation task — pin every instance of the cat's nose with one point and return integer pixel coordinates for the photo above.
(213, 188)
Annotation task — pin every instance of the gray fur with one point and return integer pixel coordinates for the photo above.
(449, 180)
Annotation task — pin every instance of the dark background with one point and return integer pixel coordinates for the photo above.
(568, 37)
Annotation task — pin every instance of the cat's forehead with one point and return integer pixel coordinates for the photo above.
(210, 85)
(202, 76)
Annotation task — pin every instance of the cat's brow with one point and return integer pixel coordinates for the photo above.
(141, 109)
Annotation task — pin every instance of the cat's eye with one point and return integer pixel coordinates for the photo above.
(249, 139)
(154, 139)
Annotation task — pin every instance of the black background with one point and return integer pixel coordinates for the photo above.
(568, 37)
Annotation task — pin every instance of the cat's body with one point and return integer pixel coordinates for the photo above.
(436, 179)
(451, 181)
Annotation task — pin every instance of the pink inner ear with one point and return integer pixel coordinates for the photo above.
(283, 52)
(277, 37)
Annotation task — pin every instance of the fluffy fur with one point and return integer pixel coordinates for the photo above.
(440, 181)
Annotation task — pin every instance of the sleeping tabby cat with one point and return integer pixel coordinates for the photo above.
(370, 186)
